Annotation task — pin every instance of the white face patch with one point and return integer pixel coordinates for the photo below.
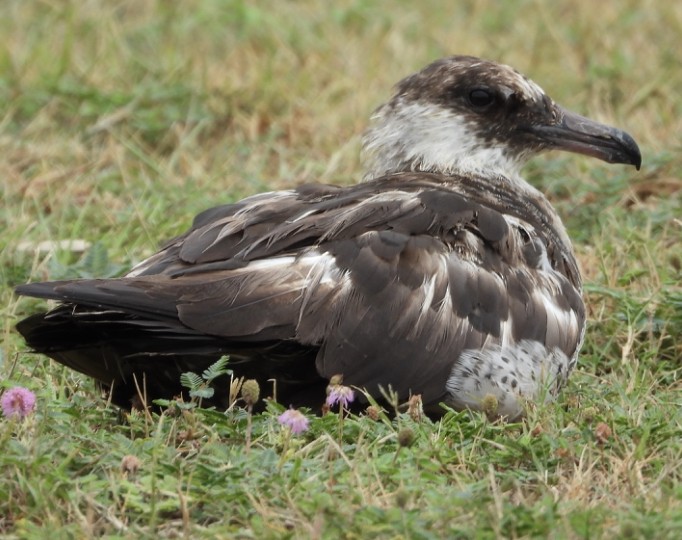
(428, 137)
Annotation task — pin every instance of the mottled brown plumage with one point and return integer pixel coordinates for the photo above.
(437, 276)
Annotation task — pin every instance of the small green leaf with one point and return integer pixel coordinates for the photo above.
(191, 380)
(216, 369)
(203, 393)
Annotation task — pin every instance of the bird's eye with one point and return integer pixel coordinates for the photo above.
(481, 98)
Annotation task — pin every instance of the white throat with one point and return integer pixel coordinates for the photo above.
(424, 137)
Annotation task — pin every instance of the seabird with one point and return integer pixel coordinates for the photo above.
(443, 274)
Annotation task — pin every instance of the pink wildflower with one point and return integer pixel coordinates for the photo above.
(17, 402)
(340, 394)
(294, 420)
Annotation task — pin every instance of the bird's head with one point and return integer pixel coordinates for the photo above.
(462, 114)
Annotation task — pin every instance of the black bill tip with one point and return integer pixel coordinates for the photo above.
(575, 133)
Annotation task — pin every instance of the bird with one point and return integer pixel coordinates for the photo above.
(442, 274)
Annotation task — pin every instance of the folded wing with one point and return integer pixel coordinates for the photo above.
(387, 283)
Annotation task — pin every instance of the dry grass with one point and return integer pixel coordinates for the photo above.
(121, 120)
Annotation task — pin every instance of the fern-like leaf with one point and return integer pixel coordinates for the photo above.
(191, 380)
(205, 392)
(217, 369)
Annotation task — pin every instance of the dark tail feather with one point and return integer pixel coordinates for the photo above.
(46, 289)
(117, 349)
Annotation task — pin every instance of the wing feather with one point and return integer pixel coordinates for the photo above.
(391, 280)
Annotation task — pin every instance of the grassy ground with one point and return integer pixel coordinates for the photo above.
(121, 120)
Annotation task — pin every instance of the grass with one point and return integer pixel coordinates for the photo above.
(121, 120)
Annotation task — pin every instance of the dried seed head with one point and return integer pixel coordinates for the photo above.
(373, 412)
(564, 454)
(335, 380)
(130, 464)
(250, 392)
(402, 497)
(405, 437)
(602, 432)
(415, 409)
